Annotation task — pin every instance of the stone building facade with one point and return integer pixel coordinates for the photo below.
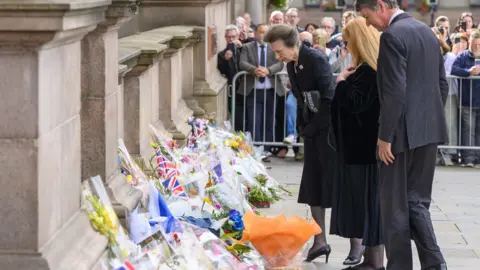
(75, 77)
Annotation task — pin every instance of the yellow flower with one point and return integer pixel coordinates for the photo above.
(207, 200)
(235, 144)
(238, 138)
(129, 178)
(153, 144)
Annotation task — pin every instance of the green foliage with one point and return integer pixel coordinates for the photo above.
(279, 4)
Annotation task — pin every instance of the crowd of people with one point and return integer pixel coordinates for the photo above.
(371, 104)
(458, 43)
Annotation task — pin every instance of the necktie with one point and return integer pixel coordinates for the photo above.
(262, 61)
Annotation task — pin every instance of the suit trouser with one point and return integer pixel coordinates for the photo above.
(260, 115)
(405, 197)
(470, 133)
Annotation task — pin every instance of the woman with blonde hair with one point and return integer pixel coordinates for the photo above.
(320, 38)
(355, 113)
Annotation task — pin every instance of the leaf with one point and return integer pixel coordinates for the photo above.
(230, 235)
(242, 248)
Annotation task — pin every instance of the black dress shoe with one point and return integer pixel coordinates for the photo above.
(442, 266)
(326, 250)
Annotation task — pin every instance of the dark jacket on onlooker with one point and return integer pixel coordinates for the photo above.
(461, 68)
(228, 68)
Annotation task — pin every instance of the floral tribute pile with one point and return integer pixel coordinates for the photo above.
(192, 214)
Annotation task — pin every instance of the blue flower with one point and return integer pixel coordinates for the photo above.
(234, 213)
(238, 226)
(236, 219)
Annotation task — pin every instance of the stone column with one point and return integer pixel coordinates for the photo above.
(100, 93)
(257, 10)
(40, 155)
(140, 89)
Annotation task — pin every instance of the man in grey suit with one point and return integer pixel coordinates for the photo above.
(260, 85)
(413, 90)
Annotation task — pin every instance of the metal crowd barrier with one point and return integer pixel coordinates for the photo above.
(453, 110)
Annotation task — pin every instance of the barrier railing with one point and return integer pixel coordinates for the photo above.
(264, 114)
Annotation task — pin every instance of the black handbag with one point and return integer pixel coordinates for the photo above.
(311, 104)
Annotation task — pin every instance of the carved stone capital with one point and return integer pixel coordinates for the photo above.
(118, 13)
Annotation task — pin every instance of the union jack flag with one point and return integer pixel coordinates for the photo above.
(174, 186)
(191, 141)
(164, 166)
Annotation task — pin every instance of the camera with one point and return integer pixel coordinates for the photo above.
(441, 30)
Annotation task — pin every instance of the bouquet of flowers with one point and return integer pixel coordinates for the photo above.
(239, 144)
(278, 239)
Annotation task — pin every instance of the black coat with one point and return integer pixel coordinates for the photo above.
(355, 113)
(313, 73)
(228, 68)
(412, 86)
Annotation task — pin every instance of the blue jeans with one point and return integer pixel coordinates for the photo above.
(291, 108)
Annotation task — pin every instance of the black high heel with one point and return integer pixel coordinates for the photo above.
(326, 250)
(352, 260)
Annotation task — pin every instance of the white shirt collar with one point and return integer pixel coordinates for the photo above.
(398, 12)
(258, 44)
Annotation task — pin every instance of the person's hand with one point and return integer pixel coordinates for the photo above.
(345, 74)
(265, 71)
(458, 48)
(468, 32)
(238, 43)
(385, 152)
(228, 54)
(259, 72)
(474, 71)
(343, 52)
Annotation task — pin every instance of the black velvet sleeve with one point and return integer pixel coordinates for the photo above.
(359, 91)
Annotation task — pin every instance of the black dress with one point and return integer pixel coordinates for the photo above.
(355, 114)
(313, 74)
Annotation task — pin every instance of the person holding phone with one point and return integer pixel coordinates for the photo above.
(465, 23)
(460, 44)
(467, 64)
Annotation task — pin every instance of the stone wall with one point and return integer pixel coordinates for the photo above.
(76, 77)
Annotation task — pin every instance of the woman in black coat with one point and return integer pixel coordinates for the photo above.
(313, 86)
(355, 114)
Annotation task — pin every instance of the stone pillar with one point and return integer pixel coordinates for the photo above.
(257, 10)
(141, 92)
(100, 93)
(40, 144)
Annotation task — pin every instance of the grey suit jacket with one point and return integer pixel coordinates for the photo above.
(249, 62)
(412, 86)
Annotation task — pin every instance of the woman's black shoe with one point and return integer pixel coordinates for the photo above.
(326, 250)
(352, 260)
(359, 267)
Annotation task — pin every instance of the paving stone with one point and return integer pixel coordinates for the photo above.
(455, 213)
(441, 226)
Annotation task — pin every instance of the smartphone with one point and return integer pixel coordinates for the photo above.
(477, 62)
(231, 47)
(464, 26)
